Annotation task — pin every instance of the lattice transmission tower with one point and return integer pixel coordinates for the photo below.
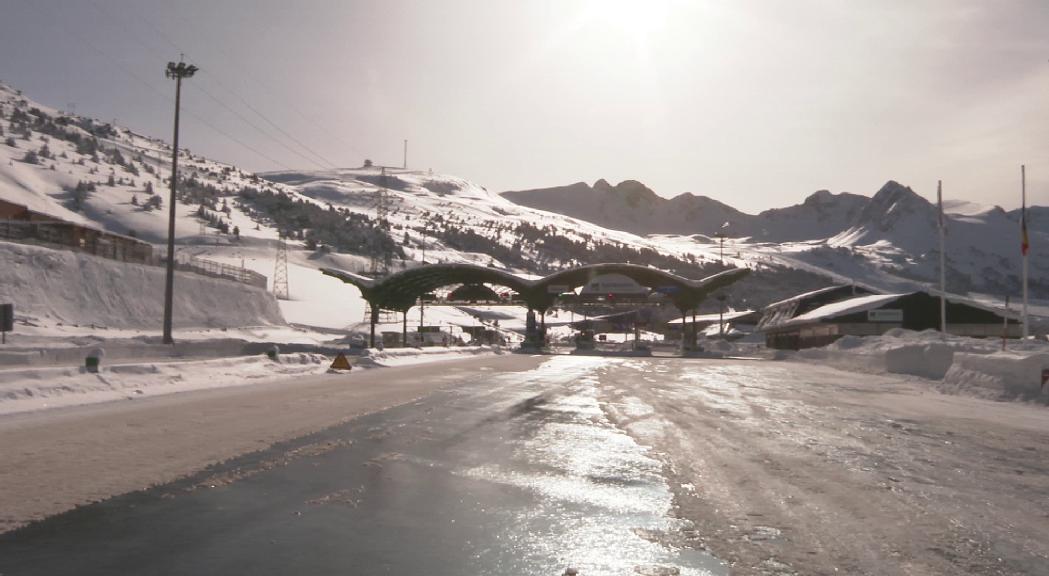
(381, 256)
(280, 270)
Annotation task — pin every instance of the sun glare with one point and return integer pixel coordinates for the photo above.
(636, 19)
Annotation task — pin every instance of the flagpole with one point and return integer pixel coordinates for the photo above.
(943, 262)
(1025, 247)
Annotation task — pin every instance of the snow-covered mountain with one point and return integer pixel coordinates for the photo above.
(92, 172)
(894, 231)
(633, 207)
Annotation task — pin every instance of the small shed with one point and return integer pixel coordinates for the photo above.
(876, 314)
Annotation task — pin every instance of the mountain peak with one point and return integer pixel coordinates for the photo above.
(895, 190)
(819, 197)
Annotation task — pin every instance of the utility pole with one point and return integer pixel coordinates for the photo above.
(1024, 244)
(405, 166)
(721, 315)
(177, 72)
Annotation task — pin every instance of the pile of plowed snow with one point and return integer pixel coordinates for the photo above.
(50, 287)
(971, 366)
(29, 389)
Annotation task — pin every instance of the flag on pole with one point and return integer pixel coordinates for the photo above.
(1025, 244)
(939, 202)
(943, 260)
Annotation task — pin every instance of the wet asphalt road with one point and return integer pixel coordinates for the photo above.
(513, 473)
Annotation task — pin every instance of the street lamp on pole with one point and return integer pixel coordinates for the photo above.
(177, 71)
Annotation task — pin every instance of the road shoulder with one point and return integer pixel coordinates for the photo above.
(58, 459)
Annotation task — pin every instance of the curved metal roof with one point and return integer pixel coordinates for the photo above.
(400, 290)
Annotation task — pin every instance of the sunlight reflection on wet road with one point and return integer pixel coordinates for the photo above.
(506, 473)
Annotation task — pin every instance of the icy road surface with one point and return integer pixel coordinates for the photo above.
(614, 466)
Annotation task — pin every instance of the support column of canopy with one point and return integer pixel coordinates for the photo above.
(684, 330)
(695, 333)
(374, 320)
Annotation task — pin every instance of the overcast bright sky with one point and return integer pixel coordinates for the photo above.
(755, 103)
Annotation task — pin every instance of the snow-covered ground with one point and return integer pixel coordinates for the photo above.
(23, 390)
(55, 287)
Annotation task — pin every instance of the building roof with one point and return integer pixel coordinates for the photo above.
(399, 290)
(875, 301)
(844, 307)
(806, 295)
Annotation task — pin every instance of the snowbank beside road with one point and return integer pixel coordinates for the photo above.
(998, 376)
(24, 390)
(50, 286)
(28, 389)
(373, 357)
(969, 366)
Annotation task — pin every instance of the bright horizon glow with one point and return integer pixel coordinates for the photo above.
(756, 103)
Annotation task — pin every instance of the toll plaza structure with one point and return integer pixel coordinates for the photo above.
(400, 291)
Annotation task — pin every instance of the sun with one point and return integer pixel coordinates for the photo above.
(637, 19)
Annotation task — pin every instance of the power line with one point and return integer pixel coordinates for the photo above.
(273, 124)
(264, 86)
(233, 111)
(131, 73)
(138, 39)
(236, 140)
(189, 111)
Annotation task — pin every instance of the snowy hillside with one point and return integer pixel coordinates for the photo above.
(372, 219)
(63, 287)
(443, 218)
(90, 172)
